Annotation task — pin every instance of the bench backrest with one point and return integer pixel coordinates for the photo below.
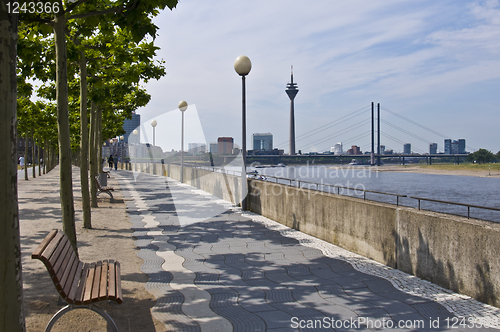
(98, 183)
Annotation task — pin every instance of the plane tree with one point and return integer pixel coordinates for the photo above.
(132, 15)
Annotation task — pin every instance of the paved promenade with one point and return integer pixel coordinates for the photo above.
(214, 268)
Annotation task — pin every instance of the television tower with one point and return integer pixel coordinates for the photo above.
(291, 91)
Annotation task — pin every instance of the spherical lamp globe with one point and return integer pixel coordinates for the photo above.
(183, 105)
(242, 65)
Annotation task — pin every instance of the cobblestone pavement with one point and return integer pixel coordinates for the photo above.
(214, 268)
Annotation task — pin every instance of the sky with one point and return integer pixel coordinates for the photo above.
(436, 63)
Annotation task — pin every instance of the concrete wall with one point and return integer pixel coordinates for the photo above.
(454, 252)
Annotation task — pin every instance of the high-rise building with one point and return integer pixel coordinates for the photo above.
(433, 147)
(129, 125)
(454, 147)
(461, 145)
(407, 148)
(447, 146)
(225, 145)
(262, 141)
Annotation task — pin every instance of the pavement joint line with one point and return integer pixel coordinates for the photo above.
(462, 305)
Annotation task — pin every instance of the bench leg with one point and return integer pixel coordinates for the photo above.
(70, 307)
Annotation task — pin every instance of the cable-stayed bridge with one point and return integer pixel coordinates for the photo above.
(354, 128)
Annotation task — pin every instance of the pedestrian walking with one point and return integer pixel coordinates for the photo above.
(21, 162)
(116, 162)
(110, 161)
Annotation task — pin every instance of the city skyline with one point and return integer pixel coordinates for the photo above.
(434, 63)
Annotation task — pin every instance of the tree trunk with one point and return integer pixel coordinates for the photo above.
(65, 176)
(39, 157)
(11, 284)
(44, 166)
(99, 139)
(33, 155)
(93, 154)
(84, 146)
(26, 140)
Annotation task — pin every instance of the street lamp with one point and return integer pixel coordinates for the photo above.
(154, 123)
(135, 132)
(183, 105)
(243, 65)
(121, 148)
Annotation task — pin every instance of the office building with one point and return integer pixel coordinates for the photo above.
(354, 150)
(461, 146)
(447, 146)
(433, 147)
(129, 125)
(454, 147)
(262, 141)
(225, 145)
(407, 148)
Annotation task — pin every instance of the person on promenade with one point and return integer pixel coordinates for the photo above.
(21, 162)
(110, 161)
(116, 162)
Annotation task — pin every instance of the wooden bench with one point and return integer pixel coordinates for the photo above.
(101, 189)
(79, 284)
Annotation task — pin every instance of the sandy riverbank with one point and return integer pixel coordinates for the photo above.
(428, 170)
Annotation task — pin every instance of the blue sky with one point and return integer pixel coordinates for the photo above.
(434, 62)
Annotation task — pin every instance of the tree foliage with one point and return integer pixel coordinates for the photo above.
(109, 32)
(481, 156)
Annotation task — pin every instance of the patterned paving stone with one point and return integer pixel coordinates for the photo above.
(258, 274)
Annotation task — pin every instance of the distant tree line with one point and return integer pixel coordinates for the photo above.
(483, 156)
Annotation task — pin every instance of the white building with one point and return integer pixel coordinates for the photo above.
(337, 149)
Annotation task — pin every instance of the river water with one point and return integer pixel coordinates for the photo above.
(482, 191)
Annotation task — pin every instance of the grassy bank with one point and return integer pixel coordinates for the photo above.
(463, 167)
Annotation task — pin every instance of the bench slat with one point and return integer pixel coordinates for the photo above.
(81, 281)
(103, 289)
(49, 250)
(71, 260)
(62, 263)
(41, 247)
(89, 282)
(97, 282)
(112, 280)
(69, 278)
(118, 283)
(74, 283)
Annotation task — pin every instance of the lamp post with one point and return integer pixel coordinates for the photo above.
(183, 105)
(135, 132)
(243, 65)
(121, 149)
(154, 123)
